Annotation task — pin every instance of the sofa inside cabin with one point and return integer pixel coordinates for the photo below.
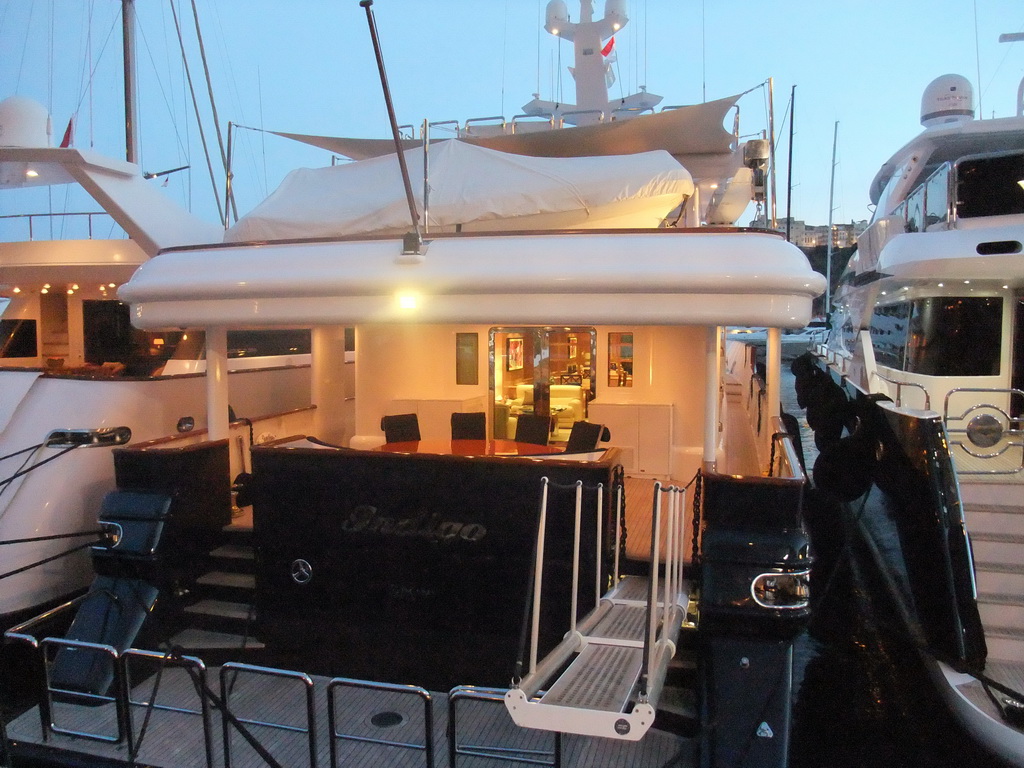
(566, 406)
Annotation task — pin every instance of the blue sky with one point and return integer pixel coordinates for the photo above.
(307, 66)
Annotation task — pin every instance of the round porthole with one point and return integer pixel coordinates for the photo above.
(985, 430)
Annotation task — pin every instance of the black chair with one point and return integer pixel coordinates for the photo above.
(585, 436)
(532, 428)
(400, 428)
(469, 426)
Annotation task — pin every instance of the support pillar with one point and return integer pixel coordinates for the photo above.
(217, 383)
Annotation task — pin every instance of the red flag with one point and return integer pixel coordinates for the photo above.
(608, 48)
(69, 134)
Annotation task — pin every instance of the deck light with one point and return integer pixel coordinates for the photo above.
(31, 174)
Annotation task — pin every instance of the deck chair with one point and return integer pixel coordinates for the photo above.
(400, 428)
(531, 428)
(469, 426)
(585, 436)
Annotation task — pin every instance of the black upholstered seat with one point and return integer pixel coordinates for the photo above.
(531, 428)
(585, 436)
(469, 426)
(400, 428)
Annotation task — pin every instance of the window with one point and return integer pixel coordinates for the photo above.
(620, 359)
(990, 186)
(18, 338)
(467, 358)
(889, 334)
(955, 336)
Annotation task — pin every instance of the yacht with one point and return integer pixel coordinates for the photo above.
(929, 323)
(628, 595)
(77, 378)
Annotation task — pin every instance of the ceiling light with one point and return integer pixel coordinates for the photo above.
(31, 174)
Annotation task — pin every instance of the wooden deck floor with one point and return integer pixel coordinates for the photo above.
(174, 739)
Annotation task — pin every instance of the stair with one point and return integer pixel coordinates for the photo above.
(220, 621)
(997, 541)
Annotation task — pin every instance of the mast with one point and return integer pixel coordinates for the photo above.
(831, 208)
(131, 121)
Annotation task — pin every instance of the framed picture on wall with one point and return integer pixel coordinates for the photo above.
(514, 354)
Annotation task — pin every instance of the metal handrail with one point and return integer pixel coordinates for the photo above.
(899, 390)
(232, 669)
(119, 700)
(196, 669)
(427, 746)
(32, 216)
(508, 754)
(1015, 427)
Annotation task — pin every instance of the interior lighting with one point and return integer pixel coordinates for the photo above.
(71, 292)
(17, 289)
(45, 290)
(407, 301)
(74, 286)
(111, 285)
(46, 286)
(31, 174)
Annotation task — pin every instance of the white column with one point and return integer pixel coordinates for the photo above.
(217, 383)
(328, 392)
(712, 384)
(773, 365)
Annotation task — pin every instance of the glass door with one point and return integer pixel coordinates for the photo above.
(541, 370)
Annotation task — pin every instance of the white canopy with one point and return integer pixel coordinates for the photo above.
(472, 187)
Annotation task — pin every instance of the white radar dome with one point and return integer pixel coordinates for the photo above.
(615, 12)
(946, 101)
(23, 123)
(556, 17)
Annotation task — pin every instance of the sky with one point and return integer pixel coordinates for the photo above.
(307, 66)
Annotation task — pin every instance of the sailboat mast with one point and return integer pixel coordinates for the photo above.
(131, 122)
(831, 208)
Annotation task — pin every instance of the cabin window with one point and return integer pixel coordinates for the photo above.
(18, 338)
(936, 197)
(620, 359)
(467, 358)
(889, 334)
(955, 336)
(110, 338)
(249, 343)
(990, 186)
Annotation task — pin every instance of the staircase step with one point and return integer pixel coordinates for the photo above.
(245, 581)
(221, 609)
(234, 552)
(203, 639)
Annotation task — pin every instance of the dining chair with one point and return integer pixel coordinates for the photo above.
(400, 428)
(533, 428)
(585, 436)
(469, 426)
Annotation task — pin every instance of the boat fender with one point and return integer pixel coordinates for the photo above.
(844, 470)
(828, 412)
(242, 487)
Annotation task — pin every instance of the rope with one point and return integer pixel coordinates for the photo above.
(25, 471)
(97, 532)
(51, 559)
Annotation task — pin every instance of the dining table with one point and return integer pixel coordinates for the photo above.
(492, 447)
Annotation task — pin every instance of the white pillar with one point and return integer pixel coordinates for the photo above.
(329, 393)
(217, 383)
(712, 384)
(773, 366)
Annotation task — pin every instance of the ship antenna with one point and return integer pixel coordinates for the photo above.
(413, 241)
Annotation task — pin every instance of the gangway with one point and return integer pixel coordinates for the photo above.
(618, 654)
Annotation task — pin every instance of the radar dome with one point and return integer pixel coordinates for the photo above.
(947, 100)
(556, 16)
(23, 123)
